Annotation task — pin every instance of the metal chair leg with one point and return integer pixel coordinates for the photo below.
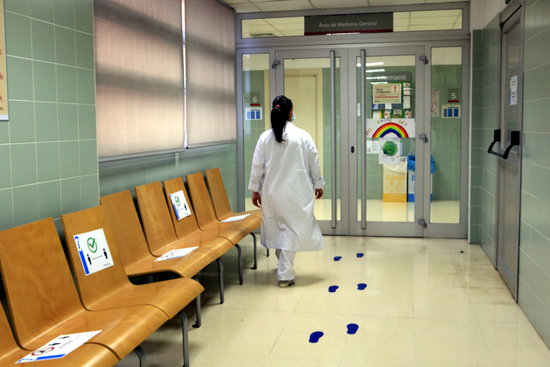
(220, 280)
(198, 303)
(267, 252)
(198, 315)
(185, 337)
(141, 355)
(255, 266)
(240, 263)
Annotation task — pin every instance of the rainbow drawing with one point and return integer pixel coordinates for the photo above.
(390, 128)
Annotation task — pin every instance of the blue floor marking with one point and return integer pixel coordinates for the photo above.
(337, 258)
(360, 254)
(332, 288)
(352, 328)
(361, 286)
(315, 336)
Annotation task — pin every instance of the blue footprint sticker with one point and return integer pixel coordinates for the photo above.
(361, 286)
(360, 254)
(332, 288)
(337, 258)
(315, 336)
(352, 328)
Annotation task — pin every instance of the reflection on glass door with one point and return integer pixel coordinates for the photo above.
(309, 83)
(446, 134)
(255, 106)
(386, 173)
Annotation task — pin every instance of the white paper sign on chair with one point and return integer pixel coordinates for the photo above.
(181, 208)
(93, 250)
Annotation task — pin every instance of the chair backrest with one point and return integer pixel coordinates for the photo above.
(218, 193)
(123, 220)
(95, 286)
(201, 200)
(155, 216)
(7, 342)
(39, 286)
(187, 225)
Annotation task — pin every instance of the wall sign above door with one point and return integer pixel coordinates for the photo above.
(348, 23)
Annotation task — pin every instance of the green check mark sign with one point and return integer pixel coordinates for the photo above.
(178, 203)
(92, 244)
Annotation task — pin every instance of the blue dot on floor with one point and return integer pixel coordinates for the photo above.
(352, 328)
(332, 288)
(337, 258)
(361, 286)
(315, 336)
(360, 254)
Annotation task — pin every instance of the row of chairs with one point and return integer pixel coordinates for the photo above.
(49, 296)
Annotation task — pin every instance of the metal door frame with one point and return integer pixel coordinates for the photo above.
(400, 229)
(451, 230)
(334, 226)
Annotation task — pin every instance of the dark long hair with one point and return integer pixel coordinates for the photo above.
(279, 116)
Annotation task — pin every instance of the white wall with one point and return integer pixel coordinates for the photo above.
(483, 11)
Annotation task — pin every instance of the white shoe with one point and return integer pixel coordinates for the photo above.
(286, 283)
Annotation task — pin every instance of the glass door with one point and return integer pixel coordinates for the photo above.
(389, 128)
(388, 134)
(313, 81)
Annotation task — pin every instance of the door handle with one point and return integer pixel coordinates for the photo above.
(496, 139)
(515, 140)
(333, 204)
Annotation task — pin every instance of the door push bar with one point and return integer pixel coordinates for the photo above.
(514, 140)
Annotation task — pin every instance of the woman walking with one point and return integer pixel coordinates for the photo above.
(285, 179)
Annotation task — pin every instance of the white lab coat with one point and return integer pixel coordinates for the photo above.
(286, 174)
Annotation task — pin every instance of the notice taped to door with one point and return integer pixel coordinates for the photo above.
(93, 251)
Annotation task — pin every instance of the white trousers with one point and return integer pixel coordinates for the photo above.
(286, 264)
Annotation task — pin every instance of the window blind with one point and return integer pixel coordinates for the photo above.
(210, 67)
(139, 76)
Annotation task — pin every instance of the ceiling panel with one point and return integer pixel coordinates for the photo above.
(284, 5)
(326, 4)
(246, 6)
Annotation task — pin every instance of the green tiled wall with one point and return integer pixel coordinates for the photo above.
(485, 112)
(48, 153)
(534, 268)
(126, 174)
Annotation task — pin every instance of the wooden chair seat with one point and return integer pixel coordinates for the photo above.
(188, 229)
(222, 207)
(137, 258)
(110, 288)
(162, 230)
(123, 329)
(232, 232)
(87, 355)
(212, 244)
(34, 267)
(159, 228)
(206, 217)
